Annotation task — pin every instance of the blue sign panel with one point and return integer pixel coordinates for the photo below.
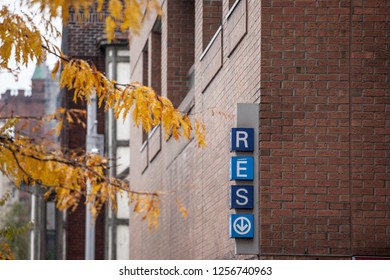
(241, 226)
(242, 139)
(241, 168)
(241, 197)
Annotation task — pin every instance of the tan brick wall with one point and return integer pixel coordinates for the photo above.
(199, 177)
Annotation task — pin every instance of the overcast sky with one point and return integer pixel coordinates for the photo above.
(7, 81)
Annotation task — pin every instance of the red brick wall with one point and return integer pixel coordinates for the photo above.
(84, 34)
(75, 234)
(324, 90)
(370, 134)
(212, 19)
(180, 51)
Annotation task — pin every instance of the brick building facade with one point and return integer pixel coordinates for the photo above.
(80, 40)
(319, 71)
(325, 128)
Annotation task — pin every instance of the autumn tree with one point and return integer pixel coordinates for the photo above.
(64, 173)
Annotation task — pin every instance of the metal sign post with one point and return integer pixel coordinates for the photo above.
(94, 144)
(244, 169)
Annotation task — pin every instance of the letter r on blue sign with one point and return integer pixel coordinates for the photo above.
(242, 139)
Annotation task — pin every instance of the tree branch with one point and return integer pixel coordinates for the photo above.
(74, 163)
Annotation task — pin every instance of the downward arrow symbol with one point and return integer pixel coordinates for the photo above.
(241, 227)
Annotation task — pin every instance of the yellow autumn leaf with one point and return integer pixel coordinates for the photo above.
(115, 8)
(110, 28)
(200, 136)
(182, 209)
(186, 125)
(55, 69)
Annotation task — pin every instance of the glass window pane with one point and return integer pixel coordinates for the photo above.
(110, 71)
(123, 159)
(123, 128)
(50, 216)
(123, 72)
(122, 243)
(123, 207)
(123, 53)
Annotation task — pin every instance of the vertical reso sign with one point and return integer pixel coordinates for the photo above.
(243, 225)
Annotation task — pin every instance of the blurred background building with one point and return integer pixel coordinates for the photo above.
(45, 237)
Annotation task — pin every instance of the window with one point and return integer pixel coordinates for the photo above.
(154, 58)
(154, 78)
(211, 58)
(118, 131)
(145, 78)
(117, 146)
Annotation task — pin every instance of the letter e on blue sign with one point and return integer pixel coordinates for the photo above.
(241, 197)
(242, 139)
(241, 168)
